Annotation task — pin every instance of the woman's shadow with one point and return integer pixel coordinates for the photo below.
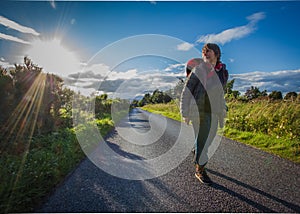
(255, 204)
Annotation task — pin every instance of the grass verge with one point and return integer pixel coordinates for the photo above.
(282, 147)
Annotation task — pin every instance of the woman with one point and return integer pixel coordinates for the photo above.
(202, 101)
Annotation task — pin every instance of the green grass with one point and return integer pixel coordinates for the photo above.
(285, 148)
(170, 110)
(272, 127)
(280, 119)
(25, 179)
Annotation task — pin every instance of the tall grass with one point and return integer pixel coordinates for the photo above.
(280, 119)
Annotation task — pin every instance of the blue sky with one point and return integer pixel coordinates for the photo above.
(259, 42)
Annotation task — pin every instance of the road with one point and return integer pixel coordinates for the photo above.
(245, 180)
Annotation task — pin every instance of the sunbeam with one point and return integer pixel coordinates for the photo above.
(21, 117)
(23, 122)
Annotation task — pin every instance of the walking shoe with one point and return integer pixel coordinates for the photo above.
(203, 177)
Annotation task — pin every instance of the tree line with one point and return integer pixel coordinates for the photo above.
(251, 94)
(254, 92)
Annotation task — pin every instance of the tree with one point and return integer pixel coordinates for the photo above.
(263, 93)
(229, 92)
(160, 97)
(275, 95)
(145, 100)
(36, 96)
(291, 96)
(254, 92)
(236, 94)
(134, 103)
(103, 96)
(66, 99)
(6, 94)
(229, 87)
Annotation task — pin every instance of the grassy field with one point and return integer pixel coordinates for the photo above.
(270, 126)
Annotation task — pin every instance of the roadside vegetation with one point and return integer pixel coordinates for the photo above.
(269, 122)
(38, 144)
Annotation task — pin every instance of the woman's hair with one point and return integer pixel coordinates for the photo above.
(216, 49)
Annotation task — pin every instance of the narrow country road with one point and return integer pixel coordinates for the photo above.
(245, 180)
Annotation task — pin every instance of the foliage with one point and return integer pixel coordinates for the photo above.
(275, 95)
(156, 97)
(254, 92)
(38, 143)
(291, 96)
(28, 177)
(280, 119)
(229, 92)
(30, 96)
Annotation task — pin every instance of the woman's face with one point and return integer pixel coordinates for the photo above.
(209, 56)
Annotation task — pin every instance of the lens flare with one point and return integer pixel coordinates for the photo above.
(23, 120)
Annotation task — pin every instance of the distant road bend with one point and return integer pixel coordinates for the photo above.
(245, 180)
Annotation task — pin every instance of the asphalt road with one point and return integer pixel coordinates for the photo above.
(245, 180)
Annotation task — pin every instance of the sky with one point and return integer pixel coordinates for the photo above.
(126, 49)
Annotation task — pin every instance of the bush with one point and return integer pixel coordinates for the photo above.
(279, 119)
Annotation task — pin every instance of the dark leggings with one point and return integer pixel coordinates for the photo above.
(205, 133)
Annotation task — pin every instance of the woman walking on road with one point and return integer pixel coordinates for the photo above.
(202, 101)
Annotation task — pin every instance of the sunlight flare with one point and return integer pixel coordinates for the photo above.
(54, 57)
(22, 122)
(25, 114)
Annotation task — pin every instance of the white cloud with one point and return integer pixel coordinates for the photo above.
(13, 25)
(12, 38)
(126, 84)
(184, 46)
(233, 33)
(254, 18)
(122, 75)
(131, 83)
(174, 67)
(227, 35)
(284, 81)
(98, 69)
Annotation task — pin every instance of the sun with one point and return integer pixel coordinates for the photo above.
(53, 57)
